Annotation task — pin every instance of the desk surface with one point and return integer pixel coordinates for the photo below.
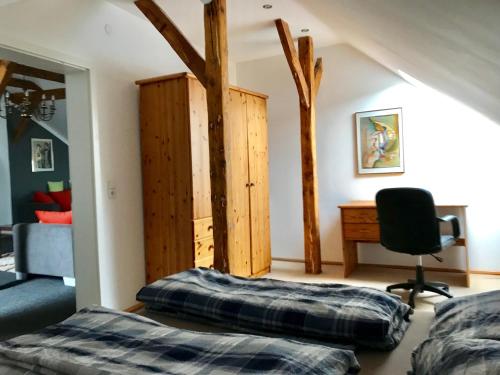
(371, 204)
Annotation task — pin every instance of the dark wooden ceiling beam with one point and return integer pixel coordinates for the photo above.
(293, 60)
(23, 84)
(38, 73)
(217, 85)
(174, 37)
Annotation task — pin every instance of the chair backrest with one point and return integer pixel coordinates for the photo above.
(408, 222)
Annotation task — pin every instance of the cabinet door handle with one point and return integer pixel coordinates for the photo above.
(252, 184)
(247, 184)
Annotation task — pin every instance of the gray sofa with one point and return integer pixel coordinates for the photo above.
(44, 256)
(43, 249)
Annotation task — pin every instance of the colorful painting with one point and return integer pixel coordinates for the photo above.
(380, 141)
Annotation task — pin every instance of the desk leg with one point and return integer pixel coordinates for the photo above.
(466, 250)
(350, 251)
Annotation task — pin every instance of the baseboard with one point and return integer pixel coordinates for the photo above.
(134, 308)
(295, 260)
(395, 266)
(480, 272)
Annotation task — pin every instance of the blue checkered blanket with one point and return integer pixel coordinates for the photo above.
(464, 338)
(333, 312)
(98, 341)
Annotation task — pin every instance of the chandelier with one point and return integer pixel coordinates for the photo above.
(31, 104)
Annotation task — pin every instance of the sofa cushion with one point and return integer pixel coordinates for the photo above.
(41, 197)
(54, 217)
(55, 186)
(62, 198)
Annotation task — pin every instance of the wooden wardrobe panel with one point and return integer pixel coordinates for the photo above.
(259, 183)
(177, 156)
(237, 175)
(202, 206)
(154, 235)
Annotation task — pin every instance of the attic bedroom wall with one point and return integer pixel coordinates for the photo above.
(450, 150)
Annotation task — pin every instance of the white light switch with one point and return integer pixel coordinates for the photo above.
(111, 190)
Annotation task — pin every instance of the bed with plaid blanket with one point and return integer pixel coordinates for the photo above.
(464, 338)
(332, 312)
(98, 341)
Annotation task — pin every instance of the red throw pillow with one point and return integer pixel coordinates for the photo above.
(63, 199)
(55, 217)
(41, 197)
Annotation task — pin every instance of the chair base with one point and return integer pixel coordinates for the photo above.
(419, 285)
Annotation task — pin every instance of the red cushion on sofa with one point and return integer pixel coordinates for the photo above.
(41, 197)
(55, 217)
(63, 199)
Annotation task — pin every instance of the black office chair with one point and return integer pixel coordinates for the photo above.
(408, 224)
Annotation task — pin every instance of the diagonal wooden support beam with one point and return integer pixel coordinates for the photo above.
(174, 37)
(318, 73)
(310, 201)
(5, 74)
(217, 85)
(293, 61)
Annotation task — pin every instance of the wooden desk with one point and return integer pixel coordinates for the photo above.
(359, 224)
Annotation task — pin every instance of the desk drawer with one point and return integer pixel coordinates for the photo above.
(203, 228)
(204, 248)
(361, 232)
(360, 215)
(207, 262)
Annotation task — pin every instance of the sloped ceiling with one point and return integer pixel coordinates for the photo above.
(450, 45)
(251, 31)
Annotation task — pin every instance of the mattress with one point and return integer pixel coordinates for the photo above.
(331, 312)
(98, 341)
(464, 338)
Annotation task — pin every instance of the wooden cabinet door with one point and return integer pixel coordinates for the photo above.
(236, 140)
(259, 183)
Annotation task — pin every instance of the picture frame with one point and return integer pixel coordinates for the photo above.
(379, 141)
(42, 155)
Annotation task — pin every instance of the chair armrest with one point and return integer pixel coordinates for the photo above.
(454, 223)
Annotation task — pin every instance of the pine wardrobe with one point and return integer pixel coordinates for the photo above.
(176, 178)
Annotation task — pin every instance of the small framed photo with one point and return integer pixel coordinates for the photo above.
(379, 138)
(42, 155)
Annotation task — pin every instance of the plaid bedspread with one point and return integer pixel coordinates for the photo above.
(333, 312)
(464, 338)
(98, 341)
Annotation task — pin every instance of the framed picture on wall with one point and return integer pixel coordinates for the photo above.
(42, 155)
(379, 141)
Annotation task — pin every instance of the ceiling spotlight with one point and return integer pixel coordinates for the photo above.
(267, 6)
(304, 30)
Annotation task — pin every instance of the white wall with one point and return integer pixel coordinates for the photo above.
(5, 196)
(73, 31)
(449, 149)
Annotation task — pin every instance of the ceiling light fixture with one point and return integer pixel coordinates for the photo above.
(267, 6)
(304, 30)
